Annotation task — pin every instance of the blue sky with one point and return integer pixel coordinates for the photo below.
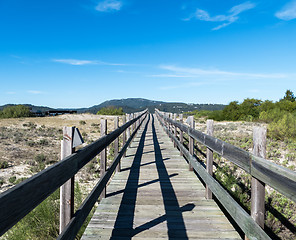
(80, 53)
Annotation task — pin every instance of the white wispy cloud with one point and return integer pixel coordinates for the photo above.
(109, 6)
(35, 92)
(74, 61)
(183, 72)
(288, 12)
(11, 93)
(78, 62)
(231, 17)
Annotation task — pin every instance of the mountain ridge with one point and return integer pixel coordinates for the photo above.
(132, 105)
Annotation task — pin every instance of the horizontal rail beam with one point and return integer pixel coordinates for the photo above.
(281, 179)
(17, 202)
(241, 217)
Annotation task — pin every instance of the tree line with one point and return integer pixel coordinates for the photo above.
(16, 111)
(280, 115)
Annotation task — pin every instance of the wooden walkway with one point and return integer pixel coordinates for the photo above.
(155, 196)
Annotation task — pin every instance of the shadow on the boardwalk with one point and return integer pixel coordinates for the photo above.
(123, 226)
(124, 222)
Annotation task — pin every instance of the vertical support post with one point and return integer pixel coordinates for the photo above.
(103, 155)
(181, 132)
(128, 130)
(175, 128)
(136, 122)
(116, 142)
(191, 140)
(133, 125)
(171, 125)
(66, 190)
(124, 133)
(139, 120)
(258, 187)
(210, 131)
(167, 123)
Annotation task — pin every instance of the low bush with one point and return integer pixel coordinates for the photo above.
(82, 122)
(12, 179)
(110, 111)
(16, 111)
(3, 164)
(283, 128)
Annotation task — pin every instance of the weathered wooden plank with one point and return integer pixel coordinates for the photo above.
(206, 234)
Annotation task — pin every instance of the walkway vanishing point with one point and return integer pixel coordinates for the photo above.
(155, 196)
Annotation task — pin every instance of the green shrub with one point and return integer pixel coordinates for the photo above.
(3, 164)
(12, 179)
(43, 142)
(110, 111)
(40, 158)
(16, 111)
(31, 143)
(283, 128)
(30, 125)
(1, 181)
(82, 122)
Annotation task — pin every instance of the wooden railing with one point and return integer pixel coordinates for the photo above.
(18, 201)
(263, 172)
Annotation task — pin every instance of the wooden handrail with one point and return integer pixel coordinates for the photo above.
(281, 179)
(241, 217)
(18, 201)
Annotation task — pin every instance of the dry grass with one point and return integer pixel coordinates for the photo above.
(28, 145)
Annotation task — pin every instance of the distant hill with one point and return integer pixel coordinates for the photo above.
(134, 104)
(137, 104)
(32, 107)
(128, 105)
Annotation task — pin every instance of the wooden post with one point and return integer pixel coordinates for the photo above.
(133, 125)
(66, 190)
(210, 130)
(171, 125)
(124, 133)
(258, 187)
(139, 120)
(175, 128)
(128, 130)
(103, 155)
(116, 143)
(191, 140)
(181, 133)
(167, 123)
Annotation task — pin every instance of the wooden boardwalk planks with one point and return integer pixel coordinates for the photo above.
(156, 197)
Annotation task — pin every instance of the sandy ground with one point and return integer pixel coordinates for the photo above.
(16, 137)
